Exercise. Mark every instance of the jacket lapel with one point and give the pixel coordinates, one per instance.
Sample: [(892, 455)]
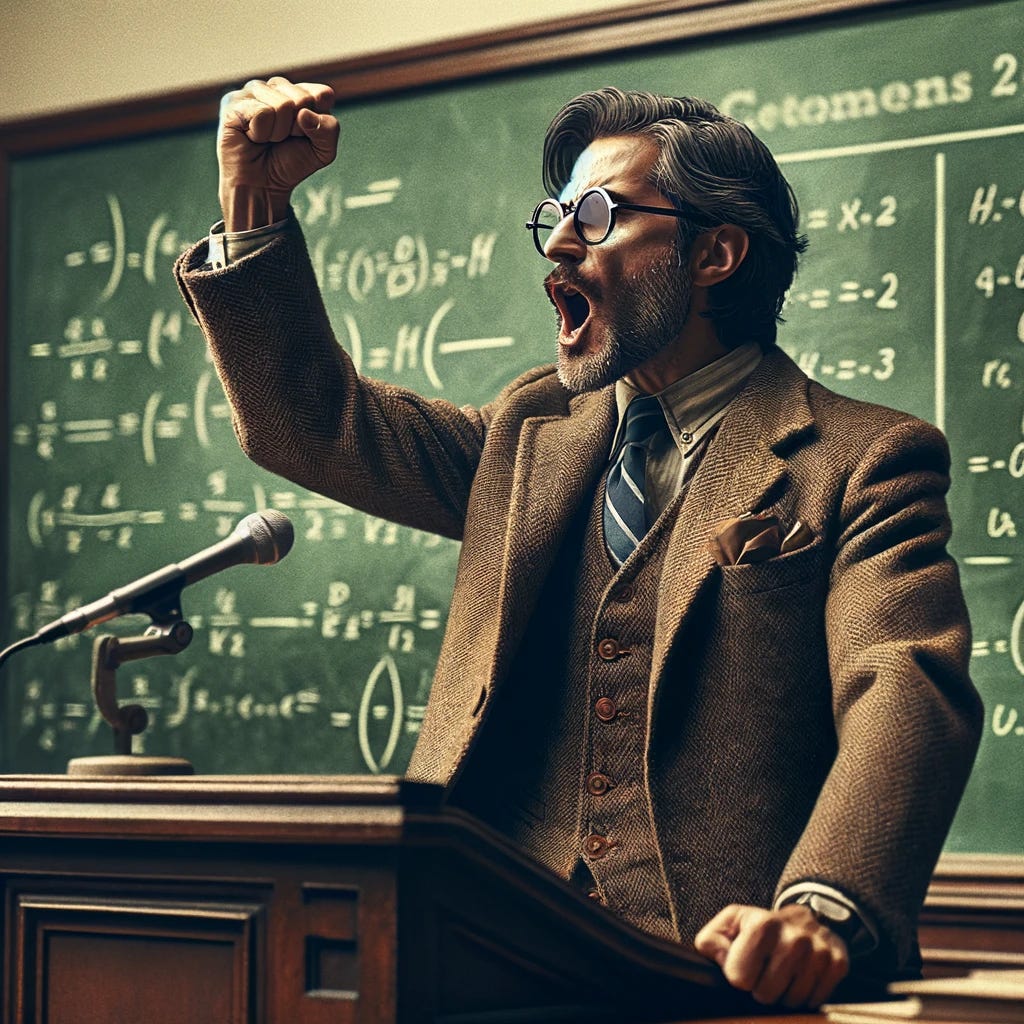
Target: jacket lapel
[(558, 464), (742, 472)]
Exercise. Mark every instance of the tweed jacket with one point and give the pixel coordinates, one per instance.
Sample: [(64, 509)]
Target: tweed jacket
[(826, 686)]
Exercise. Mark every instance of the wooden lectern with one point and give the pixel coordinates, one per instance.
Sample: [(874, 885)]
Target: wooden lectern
[(303, 900)]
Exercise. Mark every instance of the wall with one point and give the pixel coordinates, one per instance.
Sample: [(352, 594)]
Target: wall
[(57, 54)]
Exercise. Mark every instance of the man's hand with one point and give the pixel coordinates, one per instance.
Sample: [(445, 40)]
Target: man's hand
[(272, 136), (781, 956)]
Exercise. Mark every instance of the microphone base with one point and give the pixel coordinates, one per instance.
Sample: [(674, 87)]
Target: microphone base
[(117, 765)]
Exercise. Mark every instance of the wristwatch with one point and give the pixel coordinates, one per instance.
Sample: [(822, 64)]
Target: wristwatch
[(841, 918)]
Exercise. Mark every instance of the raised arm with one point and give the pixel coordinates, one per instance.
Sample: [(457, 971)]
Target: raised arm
[(299, 407)]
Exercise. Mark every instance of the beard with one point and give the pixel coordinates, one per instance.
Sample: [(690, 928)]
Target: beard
[(646, 313)]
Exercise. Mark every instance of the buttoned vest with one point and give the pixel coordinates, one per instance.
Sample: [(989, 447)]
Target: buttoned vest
[(560, 765)]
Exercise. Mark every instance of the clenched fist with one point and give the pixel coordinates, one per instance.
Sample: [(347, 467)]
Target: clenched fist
[(272, 136), (779, 956)]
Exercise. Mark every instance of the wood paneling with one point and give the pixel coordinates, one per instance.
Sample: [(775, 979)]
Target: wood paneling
[(105, 956)]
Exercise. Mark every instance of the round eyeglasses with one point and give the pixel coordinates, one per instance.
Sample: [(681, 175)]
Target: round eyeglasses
[(593, 216)]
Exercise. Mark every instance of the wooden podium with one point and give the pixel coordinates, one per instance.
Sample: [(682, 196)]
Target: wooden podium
[(303, 900)]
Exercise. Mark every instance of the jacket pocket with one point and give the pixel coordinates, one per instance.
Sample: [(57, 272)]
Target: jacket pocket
[(775, 573)]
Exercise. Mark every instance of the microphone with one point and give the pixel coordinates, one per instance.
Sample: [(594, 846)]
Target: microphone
[(261, 538)]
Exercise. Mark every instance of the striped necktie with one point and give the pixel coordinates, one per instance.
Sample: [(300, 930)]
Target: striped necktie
[(625, 520)]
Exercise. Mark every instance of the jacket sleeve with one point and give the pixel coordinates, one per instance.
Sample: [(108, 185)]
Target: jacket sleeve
[(302, 411), (907, 717)]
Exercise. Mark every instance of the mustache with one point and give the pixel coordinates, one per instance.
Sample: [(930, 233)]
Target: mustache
[(568, 276)]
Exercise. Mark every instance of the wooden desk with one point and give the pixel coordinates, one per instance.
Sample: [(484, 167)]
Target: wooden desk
[(306, 900), (299, 900)]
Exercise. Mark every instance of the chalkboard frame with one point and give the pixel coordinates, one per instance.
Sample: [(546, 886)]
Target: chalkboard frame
[(995, 879)]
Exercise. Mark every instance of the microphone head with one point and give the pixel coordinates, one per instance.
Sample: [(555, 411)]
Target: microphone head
[(272, 534)]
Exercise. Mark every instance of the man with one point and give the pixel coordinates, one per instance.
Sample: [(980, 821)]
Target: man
[(707, 654)]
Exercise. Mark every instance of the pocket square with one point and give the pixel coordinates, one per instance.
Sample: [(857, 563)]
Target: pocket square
[(749, 539)]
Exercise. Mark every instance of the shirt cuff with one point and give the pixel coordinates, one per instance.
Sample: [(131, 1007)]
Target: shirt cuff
[(837, 911), (226, 247)]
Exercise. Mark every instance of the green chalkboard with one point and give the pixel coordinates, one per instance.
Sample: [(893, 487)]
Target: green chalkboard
[(901, 130)]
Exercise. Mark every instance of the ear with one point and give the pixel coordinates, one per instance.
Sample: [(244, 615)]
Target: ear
[(717, 253)]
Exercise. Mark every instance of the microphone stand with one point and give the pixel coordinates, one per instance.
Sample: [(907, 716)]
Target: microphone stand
[(169, 634)]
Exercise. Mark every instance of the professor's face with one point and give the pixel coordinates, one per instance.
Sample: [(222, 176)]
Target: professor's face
[(620, 301)]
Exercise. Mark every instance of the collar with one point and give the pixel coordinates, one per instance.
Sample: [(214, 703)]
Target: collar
[(694, 404)]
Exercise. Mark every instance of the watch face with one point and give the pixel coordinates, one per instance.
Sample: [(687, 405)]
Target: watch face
[(841, 919)]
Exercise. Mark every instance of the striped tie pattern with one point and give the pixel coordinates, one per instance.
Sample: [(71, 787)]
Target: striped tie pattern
[(625, 519)]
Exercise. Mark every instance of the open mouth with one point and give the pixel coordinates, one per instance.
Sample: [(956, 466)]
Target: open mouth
[(573, 310)]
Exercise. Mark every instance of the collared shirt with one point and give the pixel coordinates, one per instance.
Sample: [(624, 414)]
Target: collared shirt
[(693, 407)]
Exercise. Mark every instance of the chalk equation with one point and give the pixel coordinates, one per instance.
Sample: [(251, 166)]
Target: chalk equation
[(379, 714), (116, 254), (991, 279), (378, 719), (417, 345), (61, 520), (88, 349), (318, 203), (159, 419), (851, 215), (408, 268), (992, 203), (1006, 721), (880, 294), (878, 365), (162, 242)]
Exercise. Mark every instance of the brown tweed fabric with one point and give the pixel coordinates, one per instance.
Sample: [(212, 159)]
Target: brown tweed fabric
[(612, 660), (553, 767), (811, 716)]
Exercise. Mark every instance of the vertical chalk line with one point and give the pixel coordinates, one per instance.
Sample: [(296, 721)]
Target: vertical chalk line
[(940, 290)]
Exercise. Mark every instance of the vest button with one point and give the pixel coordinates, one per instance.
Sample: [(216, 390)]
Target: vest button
[(596, 846), (625, 594), (608, 649), (606, 709), (598, 784)]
